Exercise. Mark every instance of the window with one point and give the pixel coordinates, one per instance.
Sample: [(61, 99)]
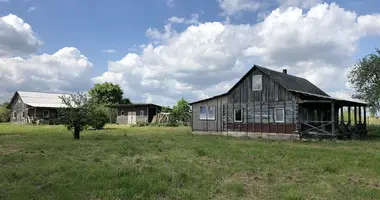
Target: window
[(257, 82), (207, 113), (141, 113), (203, 112), (238, 115), (122, 112), (23, 114), (211, 113), (279, 115), (45, 114), (14, 114)]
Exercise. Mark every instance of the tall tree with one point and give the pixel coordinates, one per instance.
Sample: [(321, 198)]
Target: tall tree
[(106, 93), (365, 78), (125, 101), (181, 111), (77, 115)]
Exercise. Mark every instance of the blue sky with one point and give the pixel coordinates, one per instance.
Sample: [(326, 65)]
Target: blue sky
[(92, 27)]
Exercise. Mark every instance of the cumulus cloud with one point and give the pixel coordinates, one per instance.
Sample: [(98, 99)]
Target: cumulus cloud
[(65, 70), (17, 37), (208, 58)]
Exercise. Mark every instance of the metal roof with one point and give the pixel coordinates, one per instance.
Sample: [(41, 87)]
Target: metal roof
[(41, 99)]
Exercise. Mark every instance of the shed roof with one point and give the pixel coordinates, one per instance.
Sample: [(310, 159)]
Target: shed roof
[(134, 105), (41, 99)]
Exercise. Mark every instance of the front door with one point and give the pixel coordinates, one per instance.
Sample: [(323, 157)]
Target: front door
[(131, 117)]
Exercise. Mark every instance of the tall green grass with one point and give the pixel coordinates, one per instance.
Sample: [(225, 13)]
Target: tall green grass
[(44, 162)]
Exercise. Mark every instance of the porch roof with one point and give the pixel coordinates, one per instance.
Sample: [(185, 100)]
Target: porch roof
[(135, 105), (327, 99)]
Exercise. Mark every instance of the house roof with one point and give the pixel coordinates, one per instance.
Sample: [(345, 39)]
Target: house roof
[(41, 99), (289, 82)]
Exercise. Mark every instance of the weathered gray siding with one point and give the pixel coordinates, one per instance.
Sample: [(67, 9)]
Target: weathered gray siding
[(139, 118), (209, 125), (258, 108), (18, 107)]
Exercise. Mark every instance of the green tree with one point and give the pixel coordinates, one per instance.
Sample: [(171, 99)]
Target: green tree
[(5, 112), (125, 101), (77, 115), (181, 111), (365, 79), (106, 93)]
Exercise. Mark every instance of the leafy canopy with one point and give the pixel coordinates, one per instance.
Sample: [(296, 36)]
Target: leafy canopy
[(106, 93), (365, 79), (181, 111)]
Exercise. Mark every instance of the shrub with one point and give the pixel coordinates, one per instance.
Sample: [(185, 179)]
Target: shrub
[(98, 118), (5, 114)]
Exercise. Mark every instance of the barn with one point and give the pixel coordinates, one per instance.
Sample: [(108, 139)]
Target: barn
[(27, 107), (268, 103)]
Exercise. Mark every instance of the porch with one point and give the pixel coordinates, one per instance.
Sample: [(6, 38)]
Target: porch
[(332, 118)]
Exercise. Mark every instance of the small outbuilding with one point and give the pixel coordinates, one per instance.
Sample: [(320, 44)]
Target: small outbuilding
[(269, 103), (134, 113)]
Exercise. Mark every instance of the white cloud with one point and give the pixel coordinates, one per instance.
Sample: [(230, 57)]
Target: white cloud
[(30, 9), (208, 58), (65, 70), (17, 37), (109, 51), (369, 24), (194, 19), (231, 7), (170, 3), (298, 3)]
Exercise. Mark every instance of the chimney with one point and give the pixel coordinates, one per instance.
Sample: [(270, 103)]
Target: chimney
[(285, 71)]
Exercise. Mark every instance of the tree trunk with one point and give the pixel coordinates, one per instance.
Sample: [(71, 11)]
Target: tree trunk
[(76, 133)]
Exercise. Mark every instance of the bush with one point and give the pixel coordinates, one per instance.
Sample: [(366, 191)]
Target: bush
[(5, 114), (98, 118)]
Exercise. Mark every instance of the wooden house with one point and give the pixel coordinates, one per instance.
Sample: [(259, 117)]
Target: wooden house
[(35, 106), (270, 103), (134, 113)]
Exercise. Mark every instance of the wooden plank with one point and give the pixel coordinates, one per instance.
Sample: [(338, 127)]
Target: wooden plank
[(349, 115)]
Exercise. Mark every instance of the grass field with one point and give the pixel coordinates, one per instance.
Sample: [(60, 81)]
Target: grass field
[(44, 162)]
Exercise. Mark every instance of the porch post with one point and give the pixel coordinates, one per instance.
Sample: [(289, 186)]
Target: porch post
[(333, 118), (355, 119), (360, 114), (35, 112), (365, 117), (349, 115), (341, 115)]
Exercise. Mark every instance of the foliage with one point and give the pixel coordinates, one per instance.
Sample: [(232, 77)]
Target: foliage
[(365, 78), (170, 163), (5, 113), (77, 114), (165, 109), (106, 93), (99, 117), (125, 101), (181, 111)]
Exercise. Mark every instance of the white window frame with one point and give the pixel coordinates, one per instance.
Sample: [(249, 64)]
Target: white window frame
[(122, 113), (261, 84), (275, 115), (241, 114), (141, 112), (43, 114), (200, 114), (14, 114), (208, 113)]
